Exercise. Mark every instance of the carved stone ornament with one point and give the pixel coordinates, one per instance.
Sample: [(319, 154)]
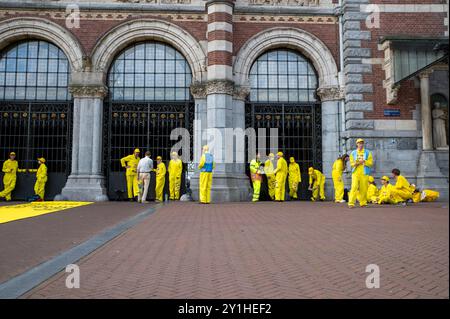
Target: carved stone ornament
[(299, 3), (330, 93), (198, 90), (241, 92), (157, 1), (88, 91), (220, 87)]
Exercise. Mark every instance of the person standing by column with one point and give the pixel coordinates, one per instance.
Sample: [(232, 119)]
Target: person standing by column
[(145, 166), (206, 167), (268, 170), (41, 178), (295, 178), (316, 184), (175, 169), (160, 179), (131, 162), (10, 168), (256, 177), (280, 176), (338, 182), (361, 161)]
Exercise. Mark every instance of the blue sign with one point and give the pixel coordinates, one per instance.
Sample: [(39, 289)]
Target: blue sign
[(391, 112)]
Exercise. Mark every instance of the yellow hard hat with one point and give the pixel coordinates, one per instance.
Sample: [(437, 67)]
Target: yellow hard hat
[(371, 179), (41, 159), (280, 153), (12, 153), (271, 155), (385, 178), (311, 170), (359, 140), (136, 150), (159, 158)]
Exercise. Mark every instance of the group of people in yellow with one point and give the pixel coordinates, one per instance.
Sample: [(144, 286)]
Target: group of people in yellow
[(138, 176), (11, 168)]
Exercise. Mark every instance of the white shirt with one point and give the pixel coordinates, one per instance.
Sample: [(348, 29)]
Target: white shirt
[(145, 165)]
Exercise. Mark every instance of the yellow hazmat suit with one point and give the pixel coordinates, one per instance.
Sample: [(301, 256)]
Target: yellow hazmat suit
[(175, 169), (271, 181), (131, 173), (403, 188), (426, 195), (372, 191), (317, 183), (280, 176), (41, 178), (387, 195), (206, 167), (255, 174), (10, 168), (338, 182), (160, 180), (360, 174), (294, 178)]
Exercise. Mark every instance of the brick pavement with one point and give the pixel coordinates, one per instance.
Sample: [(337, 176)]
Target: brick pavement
[(269, 250)]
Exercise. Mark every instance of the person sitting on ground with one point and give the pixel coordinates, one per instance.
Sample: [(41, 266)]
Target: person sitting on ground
[(372, 191), (387, 194), (427, 195), (402, 187)]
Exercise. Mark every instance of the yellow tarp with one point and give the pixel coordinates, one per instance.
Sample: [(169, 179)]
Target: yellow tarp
[(21, 211)]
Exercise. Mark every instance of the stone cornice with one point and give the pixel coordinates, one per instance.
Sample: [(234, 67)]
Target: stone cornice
[(198, 90), (220, 87), (88, 91), (330, 93), (241, 92)]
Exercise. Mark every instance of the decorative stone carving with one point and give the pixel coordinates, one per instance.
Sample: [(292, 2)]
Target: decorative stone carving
[(241, 92), (311, 3), (330, 93), (88, 91), (198, 90), (157, 1), (220, 87)]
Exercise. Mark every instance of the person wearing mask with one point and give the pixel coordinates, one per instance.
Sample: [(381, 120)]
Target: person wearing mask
[(268, 170), (280, 176), (175, 169), (160, 179), (256, 176), (338, 181), (145, 166), (316, 184), (294, 179), (206, 167), (131, 162), (361, 161)]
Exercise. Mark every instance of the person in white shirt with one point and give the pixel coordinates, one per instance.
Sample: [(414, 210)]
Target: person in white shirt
[(145, 166)]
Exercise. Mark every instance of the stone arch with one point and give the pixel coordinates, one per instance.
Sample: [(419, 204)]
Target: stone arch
[(138, 30), (286, 37), (16, 29)]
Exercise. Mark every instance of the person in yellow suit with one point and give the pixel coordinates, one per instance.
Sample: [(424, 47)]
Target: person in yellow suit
[(387, 193), (338, 182), (402, 187), (361, 161), (131, 162), (372, 191), (10, 168), (294, 179), (256, 176), (175, 169), (427, 195), (160, 178), (206, 167), (268, 170), (41, 178), (280, 172), (316, 184)]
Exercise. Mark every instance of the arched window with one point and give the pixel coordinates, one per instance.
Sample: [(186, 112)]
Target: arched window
[(34, 70), (150, 71), (282, 76)]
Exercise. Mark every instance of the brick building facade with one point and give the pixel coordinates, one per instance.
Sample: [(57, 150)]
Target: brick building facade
[(373, 69)]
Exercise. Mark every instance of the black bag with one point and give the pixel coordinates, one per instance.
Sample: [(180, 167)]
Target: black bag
[(346, 194)]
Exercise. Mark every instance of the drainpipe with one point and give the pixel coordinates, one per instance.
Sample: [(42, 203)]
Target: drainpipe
[(341, 127)]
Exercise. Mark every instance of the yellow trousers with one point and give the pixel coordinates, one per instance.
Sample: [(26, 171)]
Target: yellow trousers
[(271, 183), (318, 191), (360, 183), (404, 194), (205, 187), (159, 188), (39, 187), (9, 182), (256, 190), (338, 186), (132, 185), (293, 188), (174, 186), (280, 186)]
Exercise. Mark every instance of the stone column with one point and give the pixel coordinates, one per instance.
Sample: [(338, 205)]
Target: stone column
[(330, 98), (427, 130), (86, 181)]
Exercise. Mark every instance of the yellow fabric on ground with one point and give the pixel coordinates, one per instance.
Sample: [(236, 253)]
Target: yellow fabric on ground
[(21, 211)]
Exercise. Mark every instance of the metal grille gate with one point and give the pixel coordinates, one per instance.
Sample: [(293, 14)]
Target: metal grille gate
[(32, 130), (299, 130), (146, 126)]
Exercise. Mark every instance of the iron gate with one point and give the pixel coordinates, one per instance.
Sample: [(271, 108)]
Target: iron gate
[(37, 129), (299, 133), (146, 126)]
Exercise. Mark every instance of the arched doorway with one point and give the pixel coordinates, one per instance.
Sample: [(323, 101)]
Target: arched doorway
[(148, 98), (283, 86), (36, 112)]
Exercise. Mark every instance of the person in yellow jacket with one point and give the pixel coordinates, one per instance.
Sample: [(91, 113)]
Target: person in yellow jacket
[(256, 176), (206, 167), (387, 193), (372, 191), (10, 168), (280, 172), (41, 178), (268, 170), (361, 161), (175, 169), (160, 179), (338, 182), (131, 162), (294, 179), (427, 195), (402, 187), (316, 184)]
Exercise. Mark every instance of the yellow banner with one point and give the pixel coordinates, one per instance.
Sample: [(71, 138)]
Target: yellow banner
[(21, 211)]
